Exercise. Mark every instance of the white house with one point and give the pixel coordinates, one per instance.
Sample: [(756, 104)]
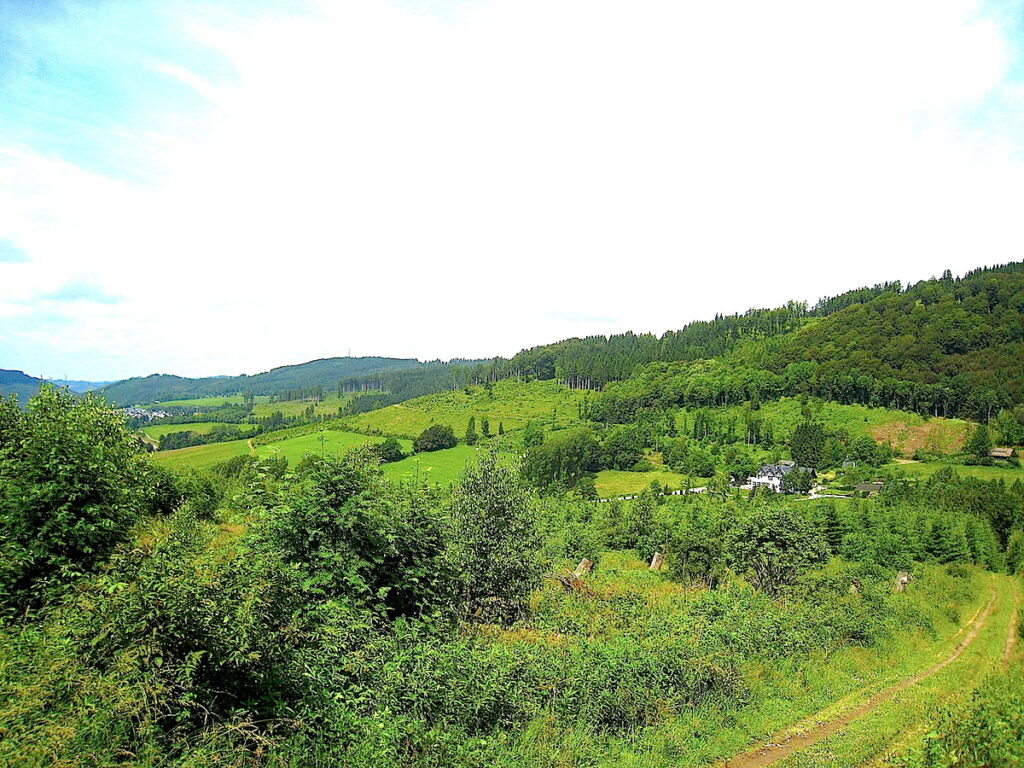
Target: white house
[(770, 475)]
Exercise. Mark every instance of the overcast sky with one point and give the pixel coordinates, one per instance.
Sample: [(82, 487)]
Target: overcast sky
[(200, 187)]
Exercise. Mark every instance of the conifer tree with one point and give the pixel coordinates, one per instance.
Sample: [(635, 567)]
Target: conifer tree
[(979, 443), (485, 427), (471, 436)]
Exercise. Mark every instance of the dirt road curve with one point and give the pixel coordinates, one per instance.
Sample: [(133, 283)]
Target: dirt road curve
[(770, 754)]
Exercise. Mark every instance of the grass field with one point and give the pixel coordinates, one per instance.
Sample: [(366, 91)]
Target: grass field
[(333, 442), (327, 407), (201, 402), (442, 467), (613, 482), (201, 456), (437, 467), (156, 431), (928, 468), (512, 403), (904, 431)]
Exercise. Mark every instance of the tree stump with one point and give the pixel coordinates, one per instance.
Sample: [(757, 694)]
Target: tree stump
[(657, 561), (902, 579), (584, 567)]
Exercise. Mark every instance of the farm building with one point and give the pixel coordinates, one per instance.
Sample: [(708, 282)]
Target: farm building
[(770, 475), (1001, 453), (869, 488)]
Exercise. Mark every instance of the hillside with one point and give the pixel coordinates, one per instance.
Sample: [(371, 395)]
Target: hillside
[(19, 384), (945, 346), (508, 403), (325, 373)]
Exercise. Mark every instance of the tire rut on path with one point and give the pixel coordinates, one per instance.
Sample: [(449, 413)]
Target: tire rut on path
[(774, 752), (1011, 632)]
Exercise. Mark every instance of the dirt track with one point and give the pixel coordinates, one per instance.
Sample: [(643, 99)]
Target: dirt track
[(1011, 632), (771, 753)]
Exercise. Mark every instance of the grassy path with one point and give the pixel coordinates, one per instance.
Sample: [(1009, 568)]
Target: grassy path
[(1011, 632), (862, 731)]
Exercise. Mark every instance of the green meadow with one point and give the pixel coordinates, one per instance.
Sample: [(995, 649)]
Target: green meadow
[(201, 402), (201, 456), (614, 482), (157, 431), (998, 472), (330, 442), (510, 403), (327, 407), (441, 467)]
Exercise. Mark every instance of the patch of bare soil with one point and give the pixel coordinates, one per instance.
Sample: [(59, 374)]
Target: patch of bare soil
[(934, 435), (772, 753)]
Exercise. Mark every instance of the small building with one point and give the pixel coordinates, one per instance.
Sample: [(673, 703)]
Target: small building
[(770, 475), (1001, 453), (869, 488)]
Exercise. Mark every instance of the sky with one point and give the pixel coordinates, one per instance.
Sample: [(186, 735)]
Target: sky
[(207, 187)]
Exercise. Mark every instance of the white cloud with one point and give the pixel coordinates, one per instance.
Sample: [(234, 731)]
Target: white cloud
[(468, 184)]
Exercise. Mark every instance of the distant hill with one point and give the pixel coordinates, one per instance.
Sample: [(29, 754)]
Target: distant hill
[(79, 386), (326, 373), (19, 384)]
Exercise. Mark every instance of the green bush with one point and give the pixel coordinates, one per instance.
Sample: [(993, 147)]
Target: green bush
[(72, 481)]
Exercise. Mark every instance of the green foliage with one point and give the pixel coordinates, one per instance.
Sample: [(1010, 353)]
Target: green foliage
[(435, 438), (775, 544), (986, 731), (563, 458), (71, 483), (471, 435), (807, 445), (349, 535), (533, 434), (494, 540), (622, 448), (390, 450), (979, 443)]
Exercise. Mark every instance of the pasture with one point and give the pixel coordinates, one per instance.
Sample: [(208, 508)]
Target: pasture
[(201, 456), (213, 401), (328, 407), (157, 430), (924, 469), (329, 442), (510, 403), (441, 467), (614, 482)]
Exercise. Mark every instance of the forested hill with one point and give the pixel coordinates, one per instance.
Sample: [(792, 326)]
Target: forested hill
[(951, 346), (945, 347), (962, 339), (19, 384), (324, 373)]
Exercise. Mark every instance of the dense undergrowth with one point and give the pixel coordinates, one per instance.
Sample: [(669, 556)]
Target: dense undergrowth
[(325, 616)]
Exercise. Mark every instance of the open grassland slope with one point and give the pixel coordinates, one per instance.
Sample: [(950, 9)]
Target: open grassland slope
[(157, 430), (509, 403)]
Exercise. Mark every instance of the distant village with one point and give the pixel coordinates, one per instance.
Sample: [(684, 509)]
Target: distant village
[(145, 414)]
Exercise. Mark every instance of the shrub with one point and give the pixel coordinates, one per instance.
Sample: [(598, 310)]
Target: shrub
[(72, 481), (435, 438)]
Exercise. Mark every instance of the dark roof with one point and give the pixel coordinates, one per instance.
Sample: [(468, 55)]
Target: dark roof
[(868, 487), (781, 470)]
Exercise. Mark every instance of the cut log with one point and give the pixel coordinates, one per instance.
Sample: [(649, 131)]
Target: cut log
[(657, 561), (584, 567)]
